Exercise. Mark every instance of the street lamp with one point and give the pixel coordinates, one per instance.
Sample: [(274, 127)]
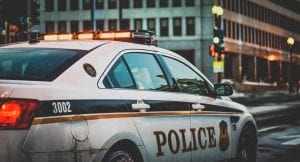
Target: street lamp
[(290, 41), (217, 10)]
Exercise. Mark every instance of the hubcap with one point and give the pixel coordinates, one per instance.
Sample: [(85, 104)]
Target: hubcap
[(121, 156), (244, 155)]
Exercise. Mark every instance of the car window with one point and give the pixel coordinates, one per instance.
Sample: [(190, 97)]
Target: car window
[(187, 79), (119, 76), (146, 71), (39, 64)]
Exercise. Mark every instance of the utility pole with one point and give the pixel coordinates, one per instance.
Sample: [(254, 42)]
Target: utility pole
[(290, 41), (120, 14), (93, 21), (28, 20), (7, 33)]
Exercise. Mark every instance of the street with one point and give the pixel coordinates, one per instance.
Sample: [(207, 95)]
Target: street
[(278, 131)]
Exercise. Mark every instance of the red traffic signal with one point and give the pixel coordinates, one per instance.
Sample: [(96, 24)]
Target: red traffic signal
[(212, 50)]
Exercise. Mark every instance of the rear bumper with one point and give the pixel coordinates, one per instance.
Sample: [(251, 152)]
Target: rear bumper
[(11, 144), (12, 150)]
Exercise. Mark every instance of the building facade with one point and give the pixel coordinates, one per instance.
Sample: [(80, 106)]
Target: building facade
[(184, 26), (255, 31)]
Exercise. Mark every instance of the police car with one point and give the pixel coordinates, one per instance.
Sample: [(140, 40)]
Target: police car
[(98, 97)]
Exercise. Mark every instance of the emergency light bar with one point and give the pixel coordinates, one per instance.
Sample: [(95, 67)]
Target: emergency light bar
[(136, 36)]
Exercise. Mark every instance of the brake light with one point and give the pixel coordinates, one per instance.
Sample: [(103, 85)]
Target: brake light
[(17, 114), (9, 113)]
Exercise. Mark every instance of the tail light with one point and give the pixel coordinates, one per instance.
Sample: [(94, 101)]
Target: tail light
[(17, 113)]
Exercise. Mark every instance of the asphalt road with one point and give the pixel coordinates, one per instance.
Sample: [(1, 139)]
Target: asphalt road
[(278, 131)]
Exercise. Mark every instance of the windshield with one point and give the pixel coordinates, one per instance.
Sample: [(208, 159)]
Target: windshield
[(38, 64)]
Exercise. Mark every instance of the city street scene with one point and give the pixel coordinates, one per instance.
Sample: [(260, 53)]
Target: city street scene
[(149, 80)]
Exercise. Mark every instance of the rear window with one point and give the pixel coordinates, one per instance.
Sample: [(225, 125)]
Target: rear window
[(37, 64)]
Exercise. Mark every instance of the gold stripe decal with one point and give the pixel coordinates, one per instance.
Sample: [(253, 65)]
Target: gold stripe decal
[(58, 119)]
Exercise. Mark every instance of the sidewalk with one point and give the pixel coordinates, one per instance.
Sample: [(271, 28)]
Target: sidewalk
[(268, 104), (251, 99)]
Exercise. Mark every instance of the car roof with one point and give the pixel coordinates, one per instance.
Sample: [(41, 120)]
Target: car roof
[(72, 44)]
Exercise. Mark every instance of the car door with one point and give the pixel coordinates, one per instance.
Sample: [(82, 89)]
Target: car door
[(162, 118), (210, 124)]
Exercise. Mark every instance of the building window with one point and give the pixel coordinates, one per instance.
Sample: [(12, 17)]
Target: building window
[(225, 27), (62, 5), (74, 26), (258, 36), (137, 3), (112, 25), (86, 4), (49, 5), (176, 3), (189, 2), (224, 4), (253, 35), (74, 5), (125, 24), (49, 27), (233, 30), (177, 26), (62, 26), (238, 28), (138, 24), (151, 24), (87, 26), (99, 4), (190, 26), (112, 4), (247, 34), (150, 3), (242, 33), (125, 3), (100, 25), (163, 3), (164, 27)]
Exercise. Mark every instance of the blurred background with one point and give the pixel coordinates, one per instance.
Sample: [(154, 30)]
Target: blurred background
[(252, 44), (242, 42)]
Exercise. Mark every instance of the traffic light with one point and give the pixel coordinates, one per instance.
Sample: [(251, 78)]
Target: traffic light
[(35, 12), (218, 40), (212, 50)]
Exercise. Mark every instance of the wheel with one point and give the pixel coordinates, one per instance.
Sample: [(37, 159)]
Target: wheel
[(119, 156), (247, 146), (123, 153)]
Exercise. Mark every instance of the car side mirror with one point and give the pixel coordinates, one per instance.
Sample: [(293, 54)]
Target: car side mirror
[(223, 89)]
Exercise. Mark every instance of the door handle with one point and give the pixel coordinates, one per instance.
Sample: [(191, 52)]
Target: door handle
[(140, 105), (198, 106)]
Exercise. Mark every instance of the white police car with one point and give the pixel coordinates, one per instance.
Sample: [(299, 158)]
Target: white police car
[(103, 100)]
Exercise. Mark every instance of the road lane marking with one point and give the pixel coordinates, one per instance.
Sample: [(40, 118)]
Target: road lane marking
[(289, 137), (294, 142), (267, 108), (267, 129)]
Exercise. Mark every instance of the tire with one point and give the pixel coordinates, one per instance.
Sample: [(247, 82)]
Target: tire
[(119, 156), (247, 146), (122, 154)]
